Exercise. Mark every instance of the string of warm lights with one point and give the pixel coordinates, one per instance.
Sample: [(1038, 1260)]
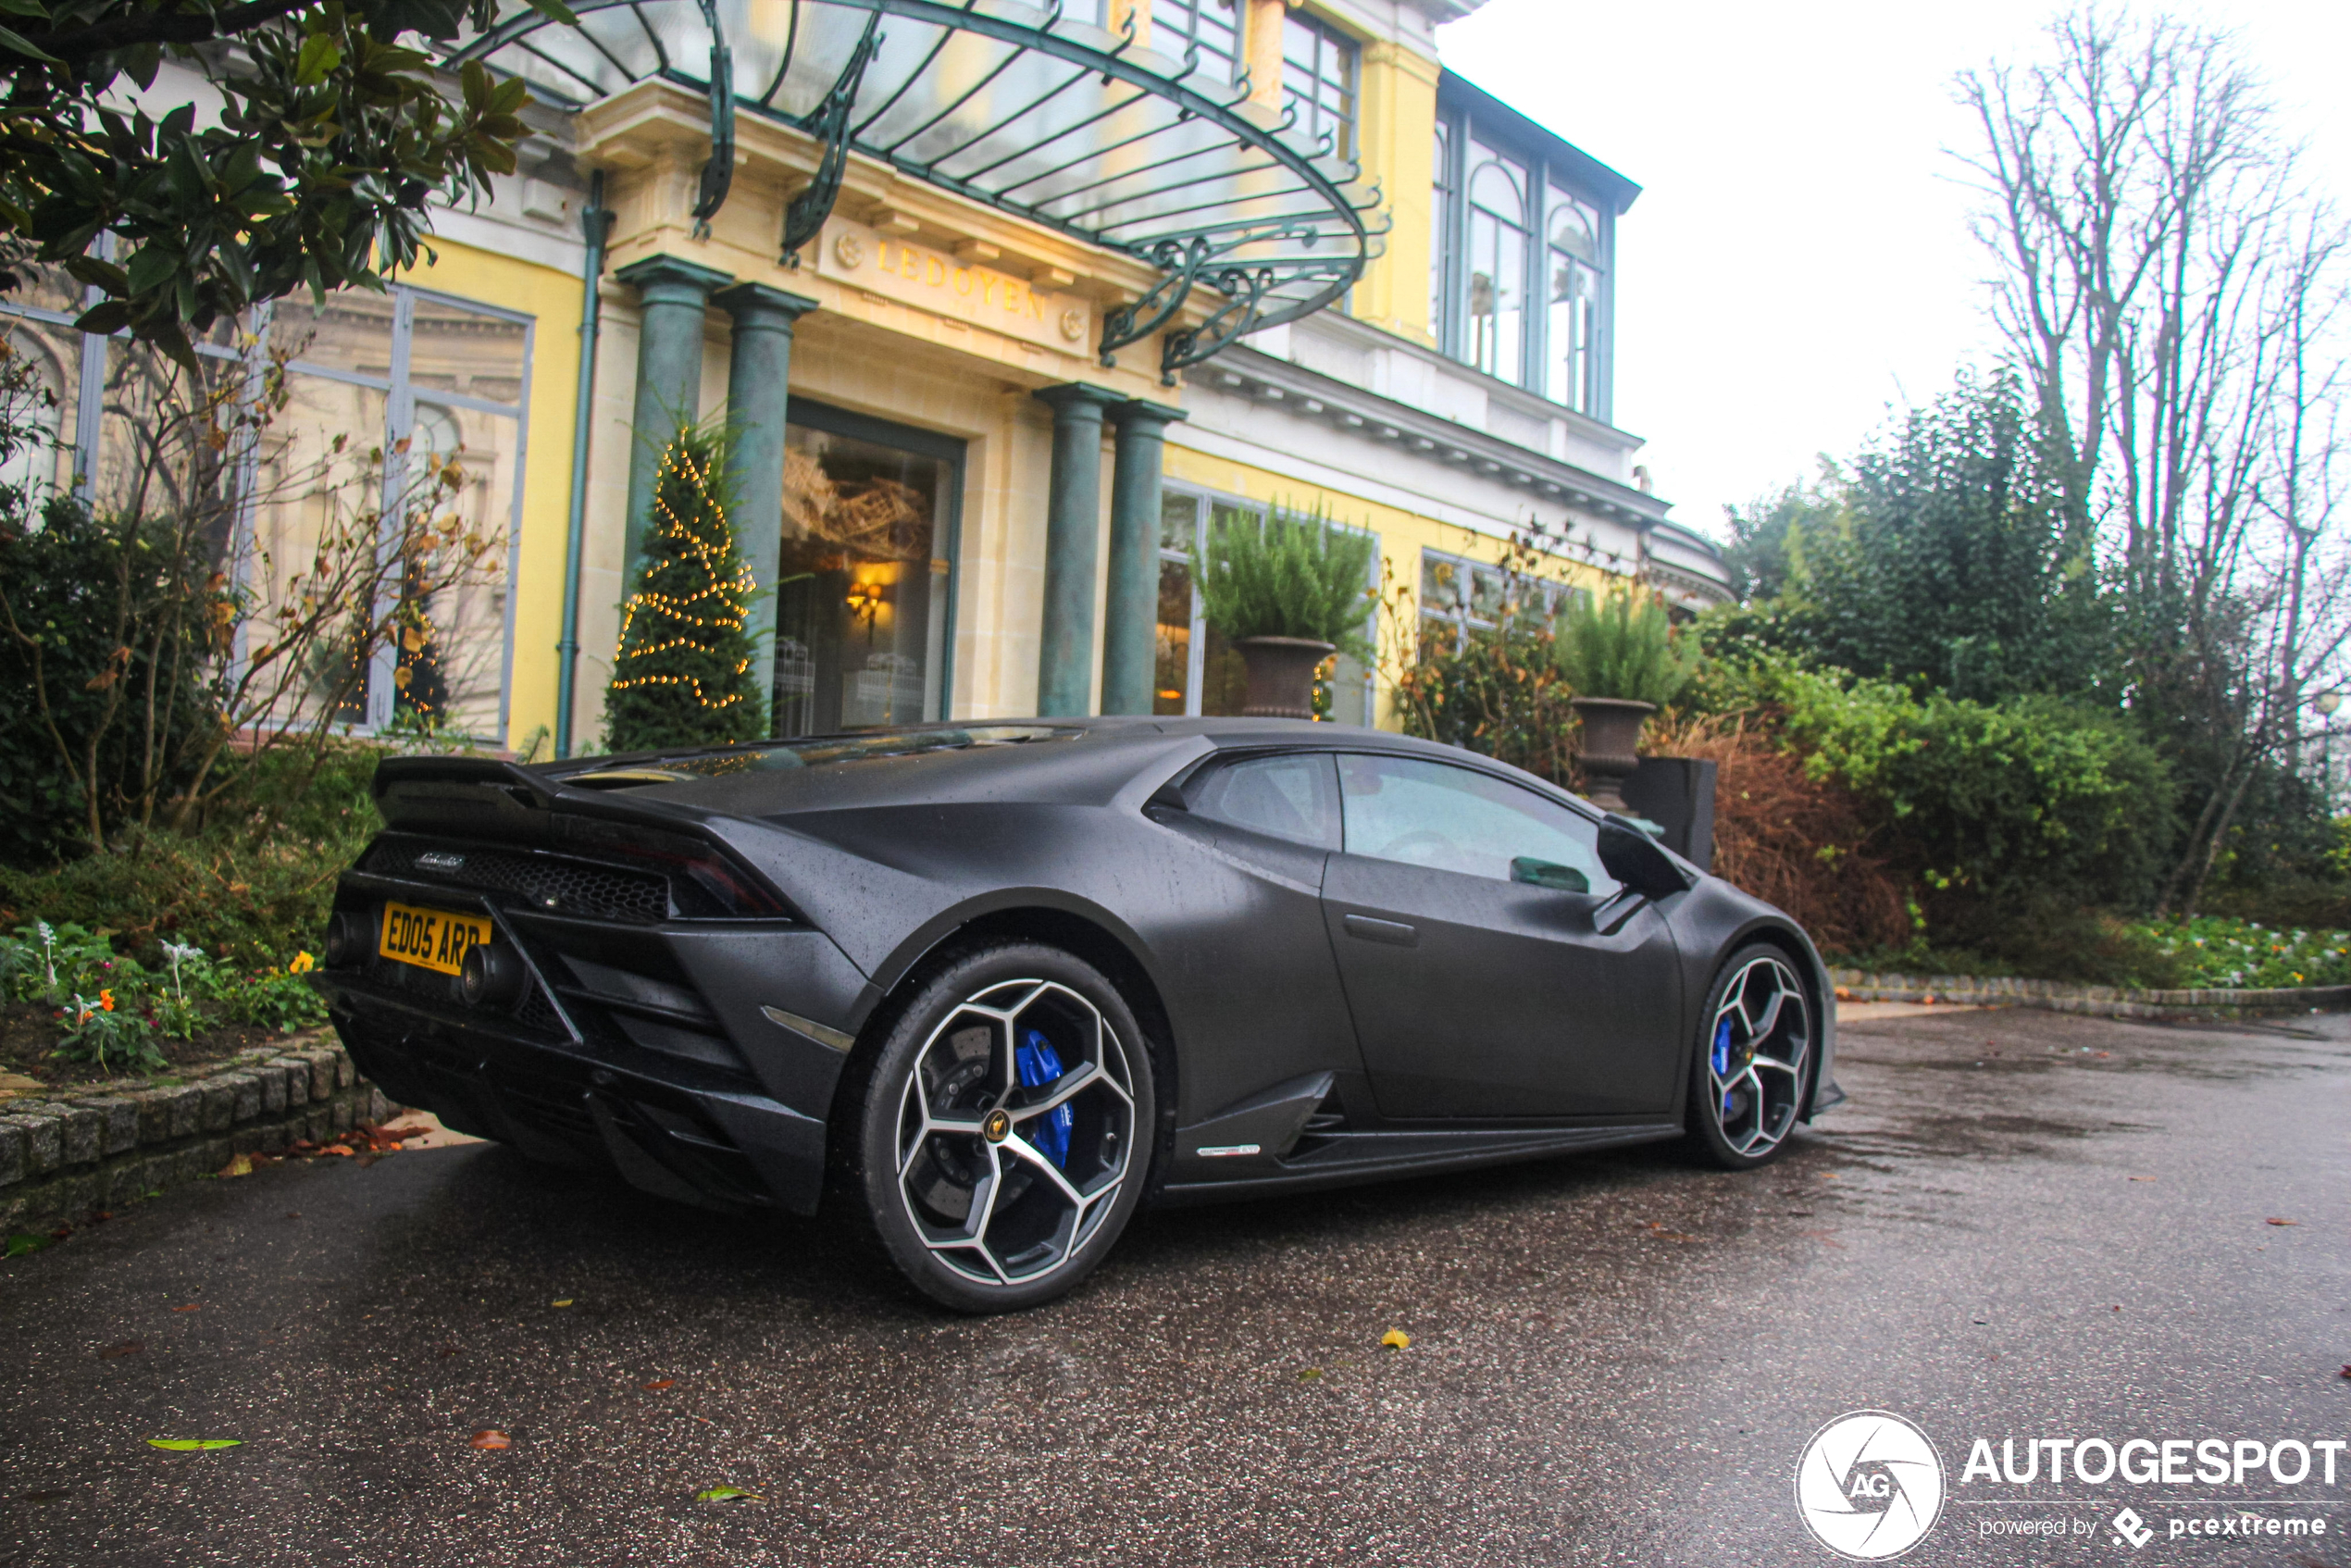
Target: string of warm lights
[(699, 617)]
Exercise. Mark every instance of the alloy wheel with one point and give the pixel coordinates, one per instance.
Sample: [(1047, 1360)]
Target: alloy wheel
[(1759, 1052), (1017, 1129)]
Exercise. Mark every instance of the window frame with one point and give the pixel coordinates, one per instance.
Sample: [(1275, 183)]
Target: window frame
[(1557, 595), (1193, 10), (1333, 42), (1461, 127), (400, 408)]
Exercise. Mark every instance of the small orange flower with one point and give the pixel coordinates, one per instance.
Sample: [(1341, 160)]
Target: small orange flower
[(105, 1001)]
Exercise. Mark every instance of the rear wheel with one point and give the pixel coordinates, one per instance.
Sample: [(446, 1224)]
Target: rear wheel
[(1755, 1063), (1002, 1137)]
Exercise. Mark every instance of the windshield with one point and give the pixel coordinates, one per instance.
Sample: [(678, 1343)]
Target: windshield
[(781, 755)]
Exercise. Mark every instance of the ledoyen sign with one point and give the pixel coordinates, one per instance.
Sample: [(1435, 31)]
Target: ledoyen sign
[(971, 291)]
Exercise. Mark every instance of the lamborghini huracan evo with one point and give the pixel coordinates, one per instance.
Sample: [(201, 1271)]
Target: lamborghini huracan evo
[(986, 989)]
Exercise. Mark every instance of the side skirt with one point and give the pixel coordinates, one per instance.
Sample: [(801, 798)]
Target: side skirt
[(1347, 1158)]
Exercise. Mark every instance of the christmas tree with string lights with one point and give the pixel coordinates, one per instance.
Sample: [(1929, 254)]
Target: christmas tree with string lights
[(682, 676)]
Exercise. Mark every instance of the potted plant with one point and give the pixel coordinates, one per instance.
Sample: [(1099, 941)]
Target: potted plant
[(1623, 659), (1286, 593)]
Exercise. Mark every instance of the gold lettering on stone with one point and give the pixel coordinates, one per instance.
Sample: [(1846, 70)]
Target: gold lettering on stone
[(963, 289)]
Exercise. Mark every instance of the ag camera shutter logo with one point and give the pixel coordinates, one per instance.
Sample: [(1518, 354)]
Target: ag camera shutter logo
[(1868, 1486)]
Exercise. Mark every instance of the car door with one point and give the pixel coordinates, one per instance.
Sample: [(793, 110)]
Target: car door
[(1488, 958)]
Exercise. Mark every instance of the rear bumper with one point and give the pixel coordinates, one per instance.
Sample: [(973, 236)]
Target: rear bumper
[(667, 1052), (678, 1132)]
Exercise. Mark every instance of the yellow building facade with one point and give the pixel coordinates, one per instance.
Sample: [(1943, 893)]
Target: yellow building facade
[(1065, 289)]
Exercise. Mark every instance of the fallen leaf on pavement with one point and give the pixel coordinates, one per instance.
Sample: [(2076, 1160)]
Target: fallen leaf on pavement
[(128, 1348), (193, 1306), (2346, 1369), (1313, 1374), (2281, 1222), (2142, 1178), (564, 1302), (491, 1437), (665, 1383), (24, 1241), (194, 1444), (1396, 1339), (241, 1165), (336, 1149), (727, 1494)]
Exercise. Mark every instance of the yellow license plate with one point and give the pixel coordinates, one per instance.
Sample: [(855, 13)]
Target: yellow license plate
[(430, 939)]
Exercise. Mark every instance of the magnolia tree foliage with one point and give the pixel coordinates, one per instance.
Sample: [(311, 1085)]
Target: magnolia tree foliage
[(333, 138)]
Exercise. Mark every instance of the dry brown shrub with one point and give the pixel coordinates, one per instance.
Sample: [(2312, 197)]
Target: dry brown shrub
[(1801, 843)]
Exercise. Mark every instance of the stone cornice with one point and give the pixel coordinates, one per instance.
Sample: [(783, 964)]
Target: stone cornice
[(1247, 372)]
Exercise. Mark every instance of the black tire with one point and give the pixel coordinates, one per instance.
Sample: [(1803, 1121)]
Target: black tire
[(990, 1180), (1759, 1047)]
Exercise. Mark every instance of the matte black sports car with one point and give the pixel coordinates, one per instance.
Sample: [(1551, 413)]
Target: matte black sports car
[(988, 987)]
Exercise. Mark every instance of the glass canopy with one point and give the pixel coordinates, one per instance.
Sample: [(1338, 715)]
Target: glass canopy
[(1030, 111)]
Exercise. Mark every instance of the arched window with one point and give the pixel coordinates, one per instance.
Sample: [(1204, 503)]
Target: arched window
[(1496, 324), (1522, 232)]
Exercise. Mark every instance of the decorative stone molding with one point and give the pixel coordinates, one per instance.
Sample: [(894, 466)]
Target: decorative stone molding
[(66, 1153)]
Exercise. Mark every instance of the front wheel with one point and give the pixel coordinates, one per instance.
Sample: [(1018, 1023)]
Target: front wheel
[(1003, 1136), (1755, 1065)]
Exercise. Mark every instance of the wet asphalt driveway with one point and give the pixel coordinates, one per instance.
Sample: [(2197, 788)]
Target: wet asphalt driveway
[(1613, 1360)]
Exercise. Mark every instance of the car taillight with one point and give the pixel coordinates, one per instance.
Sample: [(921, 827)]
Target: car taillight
[(698, 871)]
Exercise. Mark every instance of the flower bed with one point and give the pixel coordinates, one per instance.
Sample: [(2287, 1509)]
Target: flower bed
[(2213, 952), (79, 1011)]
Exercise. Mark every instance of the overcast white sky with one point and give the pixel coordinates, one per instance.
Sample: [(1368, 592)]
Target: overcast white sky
[(1799, 261)]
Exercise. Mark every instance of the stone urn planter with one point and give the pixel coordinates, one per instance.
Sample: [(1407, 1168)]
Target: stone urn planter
[(1281, 675), (1612, 745)]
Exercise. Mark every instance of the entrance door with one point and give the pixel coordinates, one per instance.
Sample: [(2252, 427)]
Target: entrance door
[(863, 580), (1462, 910)]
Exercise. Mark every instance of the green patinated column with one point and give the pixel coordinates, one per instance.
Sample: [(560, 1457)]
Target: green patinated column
[(758, 376), (1073, 522), (1130, 618), (673, 295)]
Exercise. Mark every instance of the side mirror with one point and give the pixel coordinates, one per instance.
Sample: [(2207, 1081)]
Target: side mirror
[(1635, 859)]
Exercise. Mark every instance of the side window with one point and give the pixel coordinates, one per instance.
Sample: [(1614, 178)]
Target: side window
[(1293, 796), (1457, 820)]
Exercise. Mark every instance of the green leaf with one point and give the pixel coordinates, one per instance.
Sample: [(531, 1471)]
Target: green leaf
[(104, 318), (318, 56), (194, 1444), (727, 1494), (102, 274), (25, 8), (25, 1241), (554, 11), (11, 41)]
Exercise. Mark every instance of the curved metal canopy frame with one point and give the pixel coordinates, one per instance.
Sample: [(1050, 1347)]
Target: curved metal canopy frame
[(1028, 111)]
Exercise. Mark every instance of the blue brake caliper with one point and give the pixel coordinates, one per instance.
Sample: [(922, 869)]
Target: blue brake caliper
[(1039, 1064), (1722, 1057)]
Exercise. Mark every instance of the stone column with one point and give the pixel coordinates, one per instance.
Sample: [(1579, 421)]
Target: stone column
[(758, 378), (1073, 522), (674, 296), (1130, 618)]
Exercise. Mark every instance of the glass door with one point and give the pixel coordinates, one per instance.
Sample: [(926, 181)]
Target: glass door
[(864, 581)]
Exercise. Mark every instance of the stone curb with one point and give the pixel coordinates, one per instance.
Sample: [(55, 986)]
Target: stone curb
[(2107, 1001), (66, 1153)]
